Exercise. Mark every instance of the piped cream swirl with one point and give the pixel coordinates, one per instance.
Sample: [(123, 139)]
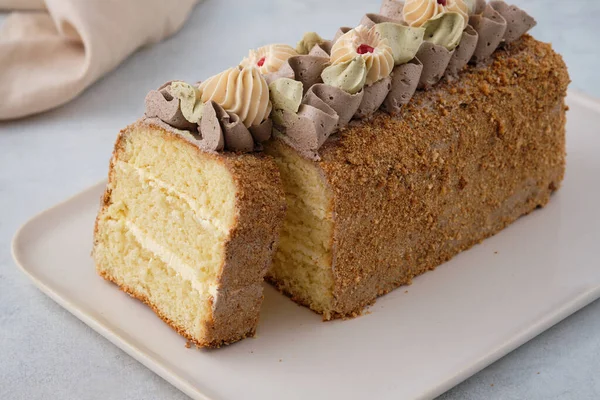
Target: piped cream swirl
[(368, 44), (242, 91), (417, 12), (270, 58), (460, 7)]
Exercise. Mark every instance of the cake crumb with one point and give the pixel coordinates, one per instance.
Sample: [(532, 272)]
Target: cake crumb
[(406, 291), (485, 89), (280, 360), (188, 344), (491, 384), (495, 252)]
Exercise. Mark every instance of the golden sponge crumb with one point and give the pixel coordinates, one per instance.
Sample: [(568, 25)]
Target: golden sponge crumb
[(162, 234), (165, 218), (207, 181), (302, 263), (148, 278)]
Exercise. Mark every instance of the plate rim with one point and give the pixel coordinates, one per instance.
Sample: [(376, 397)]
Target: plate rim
[(198, 393), (150, 362)]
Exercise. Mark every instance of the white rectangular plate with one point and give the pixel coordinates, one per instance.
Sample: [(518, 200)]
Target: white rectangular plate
[(415, 342)]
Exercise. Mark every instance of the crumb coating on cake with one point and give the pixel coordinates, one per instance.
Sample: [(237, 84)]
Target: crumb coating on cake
[(457, 165)]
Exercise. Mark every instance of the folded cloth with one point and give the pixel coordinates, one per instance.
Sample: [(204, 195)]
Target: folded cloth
[(49, 56), (7, 5)]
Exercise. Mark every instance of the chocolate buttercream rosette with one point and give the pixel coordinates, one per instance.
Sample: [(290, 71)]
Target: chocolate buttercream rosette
[(343, 103), (370, 20), (463, 52), (518, 22), (163, 105), (490, 27), (305, 122), (307, 69), (321, 50), (497, 23), (405, 79), (373, 98), (392, 9)]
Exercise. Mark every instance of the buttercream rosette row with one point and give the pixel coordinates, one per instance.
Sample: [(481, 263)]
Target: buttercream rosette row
[(306, 94), (217, 119)]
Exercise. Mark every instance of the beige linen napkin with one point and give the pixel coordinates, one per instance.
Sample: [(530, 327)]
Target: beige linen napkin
[(49, 56)]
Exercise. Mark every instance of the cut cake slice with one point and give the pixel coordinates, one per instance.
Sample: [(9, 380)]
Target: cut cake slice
[(190, 233)]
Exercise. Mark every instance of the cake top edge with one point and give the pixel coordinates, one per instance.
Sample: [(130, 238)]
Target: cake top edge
[(485, 101), (305, 94)]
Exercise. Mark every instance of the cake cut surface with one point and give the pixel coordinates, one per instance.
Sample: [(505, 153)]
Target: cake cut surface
[(304, 256), (188, 232), (394, 197)]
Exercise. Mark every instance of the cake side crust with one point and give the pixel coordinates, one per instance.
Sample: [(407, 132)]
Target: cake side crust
[(251, 245), (460, 163)]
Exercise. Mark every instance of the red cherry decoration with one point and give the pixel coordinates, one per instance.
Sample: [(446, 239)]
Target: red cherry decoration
[(365, 48), (442, 2), (261, 62)]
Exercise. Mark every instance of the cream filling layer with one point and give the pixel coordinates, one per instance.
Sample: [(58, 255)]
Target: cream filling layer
[(201, 215), (184, 270)]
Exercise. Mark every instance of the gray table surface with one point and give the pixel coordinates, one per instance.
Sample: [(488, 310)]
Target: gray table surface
[(46, 353)]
